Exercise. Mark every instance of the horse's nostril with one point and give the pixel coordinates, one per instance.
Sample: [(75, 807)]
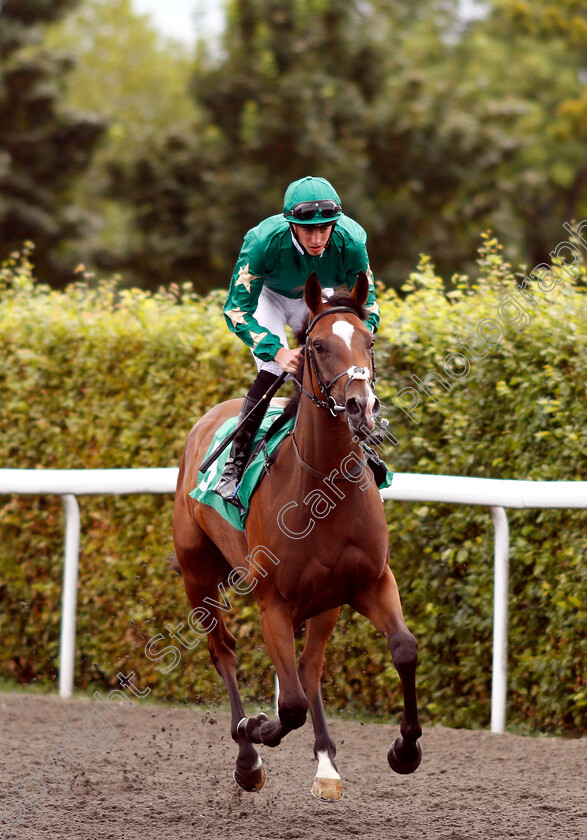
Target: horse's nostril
[(376, 407), (352, 406)]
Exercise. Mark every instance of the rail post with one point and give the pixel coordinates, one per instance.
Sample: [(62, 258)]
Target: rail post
[(69, 596), (500, 618)]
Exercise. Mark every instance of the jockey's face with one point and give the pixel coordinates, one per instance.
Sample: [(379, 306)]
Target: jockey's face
[(313, 238)]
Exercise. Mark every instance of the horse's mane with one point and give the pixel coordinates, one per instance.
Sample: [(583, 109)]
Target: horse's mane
[(344, 299)]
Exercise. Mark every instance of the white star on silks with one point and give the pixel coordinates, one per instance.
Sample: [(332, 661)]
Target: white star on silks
[(245, 277), (257, 337), (370, 276), (237, 316)]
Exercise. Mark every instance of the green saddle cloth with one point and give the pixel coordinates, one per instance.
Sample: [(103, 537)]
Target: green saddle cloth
[(253, 474), (204, 492)]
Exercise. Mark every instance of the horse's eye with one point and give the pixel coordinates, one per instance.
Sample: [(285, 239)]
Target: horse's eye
[(318, 347)]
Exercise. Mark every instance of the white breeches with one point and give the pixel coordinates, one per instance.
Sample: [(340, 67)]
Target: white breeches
[(275, 312)]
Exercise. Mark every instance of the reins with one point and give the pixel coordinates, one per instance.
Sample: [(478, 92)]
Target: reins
[(317, 474)]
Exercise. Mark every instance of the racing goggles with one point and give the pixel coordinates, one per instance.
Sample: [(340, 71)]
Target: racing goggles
[(325, 208)]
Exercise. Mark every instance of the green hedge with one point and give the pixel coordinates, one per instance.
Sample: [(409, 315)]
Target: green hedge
[(100, 377)]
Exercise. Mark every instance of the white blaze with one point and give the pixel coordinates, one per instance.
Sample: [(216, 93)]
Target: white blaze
[(344, 330)]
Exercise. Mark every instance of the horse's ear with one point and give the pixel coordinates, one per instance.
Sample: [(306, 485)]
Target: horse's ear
[(313, 293), (360, 290)]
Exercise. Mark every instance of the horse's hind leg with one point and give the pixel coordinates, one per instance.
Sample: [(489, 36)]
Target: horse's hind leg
[(249, 772), (327, 784), (201, 565), (381, 605)]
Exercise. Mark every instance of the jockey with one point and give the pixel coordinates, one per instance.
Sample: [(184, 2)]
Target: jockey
[(267, 288)]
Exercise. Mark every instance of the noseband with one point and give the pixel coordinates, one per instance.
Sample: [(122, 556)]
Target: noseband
[(354, 372)]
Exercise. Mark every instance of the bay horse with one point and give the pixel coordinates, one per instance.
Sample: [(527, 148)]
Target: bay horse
[(316, 538)]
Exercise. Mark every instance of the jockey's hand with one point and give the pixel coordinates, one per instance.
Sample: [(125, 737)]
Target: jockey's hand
[(288, 360)]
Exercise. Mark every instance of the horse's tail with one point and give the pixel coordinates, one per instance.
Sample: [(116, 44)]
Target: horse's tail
[(174, 563)]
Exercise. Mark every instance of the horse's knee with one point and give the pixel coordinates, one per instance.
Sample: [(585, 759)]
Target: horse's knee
[(404, 650), (293, 715)]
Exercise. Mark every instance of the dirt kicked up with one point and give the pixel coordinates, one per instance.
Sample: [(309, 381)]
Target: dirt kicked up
[(167, 774)]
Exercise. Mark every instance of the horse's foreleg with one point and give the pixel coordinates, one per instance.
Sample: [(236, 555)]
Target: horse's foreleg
[(327, 784), (277, 627), (381, 605)]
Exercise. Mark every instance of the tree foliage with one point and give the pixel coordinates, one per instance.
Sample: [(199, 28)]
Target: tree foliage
[(287, 96), (432, 128), (42, 148), (137, 83)]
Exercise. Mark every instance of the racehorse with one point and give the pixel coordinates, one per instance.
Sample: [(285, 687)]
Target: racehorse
[(316, 538)]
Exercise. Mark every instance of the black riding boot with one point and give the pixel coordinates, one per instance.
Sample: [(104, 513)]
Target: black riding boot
[(241, 445), (378, 467)]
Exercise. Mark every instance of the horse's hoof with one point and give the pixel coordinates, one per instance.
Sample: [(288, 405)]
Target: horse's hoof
[(250, 780), (398, 763), (327, 790)]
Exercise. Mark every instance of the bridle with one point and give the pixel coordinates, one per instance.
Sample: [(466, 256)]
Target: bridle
[(355, 372)]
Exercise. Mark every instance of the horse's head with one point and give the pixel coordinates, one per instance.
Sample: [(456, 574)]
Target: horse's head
[(339, 355)]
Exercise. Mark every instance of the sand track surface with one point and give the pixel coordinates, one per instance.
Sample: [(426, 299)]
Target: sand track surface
[(166, 773)]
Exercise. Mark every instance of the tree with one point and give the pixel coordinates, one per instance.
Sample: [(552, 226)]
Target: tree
[(540, 67), (42, 149), (473, 130), (287, 96), (433, 128), (137, 82)]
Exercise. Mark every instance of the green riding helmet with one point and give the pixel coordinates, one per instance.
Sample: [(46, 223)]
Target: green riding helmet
[(311, 201)]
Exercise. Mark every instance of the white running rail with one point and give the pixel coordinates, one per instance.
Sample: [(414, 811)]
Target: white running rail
[(496, 494), (68, 484)]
